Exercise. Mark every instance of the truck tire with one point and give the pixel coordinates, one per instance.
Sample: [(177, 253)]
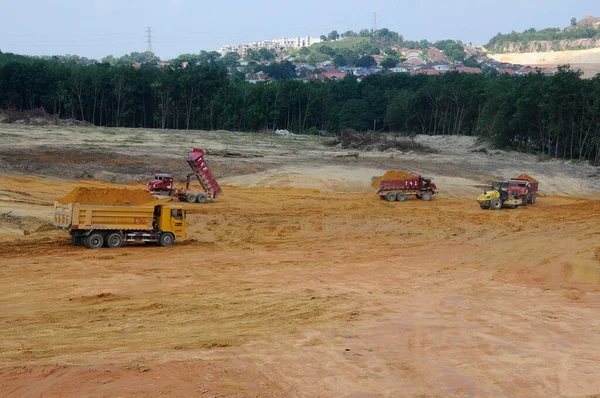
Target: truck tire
[(484, 207), (532, 199), (495, 204), (426, 196), (390, 196), (190, 198), (77, 240), (166, 239), (201, 198), (95, 240), (114, 240), (401, 197)]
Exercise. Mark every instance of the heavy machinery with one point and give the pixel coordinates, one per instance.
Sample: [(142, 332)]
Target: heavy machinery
[(528, 186), (509, 194), (99, 225), (162, 185), (421, 187)]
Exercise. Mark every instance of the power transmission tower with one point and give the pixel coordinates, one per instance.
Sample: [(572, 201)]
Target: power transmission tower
[(149, 37), (374, 22)]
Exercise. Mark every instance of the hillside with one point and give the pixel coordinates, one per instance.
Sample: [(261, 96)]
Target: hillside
[(578, 35)]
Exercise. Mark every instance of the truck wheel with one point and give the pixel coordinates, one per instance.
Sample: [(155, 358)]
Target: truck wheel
[(95, 240), (401, 197), (166, 239), (114, 240), (532, 199), (190, 198), (201, 198), (495, 204), (426, 196), (484, 207), (390, 197), (77, 240)]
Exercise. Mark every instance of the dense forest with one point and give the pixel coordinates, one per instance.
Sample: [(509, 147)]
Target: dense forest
[(556, 115)]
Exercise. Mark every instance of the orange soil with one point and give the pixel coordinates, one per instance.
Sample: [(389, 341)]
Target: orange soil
[(107, 196), (526, 177), (296, 293), (392, 175)]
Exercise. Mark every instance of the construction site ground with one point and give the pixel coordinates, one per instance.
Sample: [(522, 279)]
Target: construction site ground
[(299, 281)]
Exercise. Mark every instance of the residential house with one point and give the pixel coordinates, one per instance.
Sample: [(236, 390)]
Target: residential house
[(467, 69), (441, 66), (334, 74), (257, 77)]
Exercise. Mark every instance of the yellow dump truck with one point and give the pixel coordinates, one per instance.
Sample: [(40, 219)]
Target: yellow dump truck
[(97, 225)]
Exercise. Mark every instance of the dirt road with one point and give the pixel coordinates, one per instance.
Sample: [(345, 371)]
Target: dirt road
[(289, 292)]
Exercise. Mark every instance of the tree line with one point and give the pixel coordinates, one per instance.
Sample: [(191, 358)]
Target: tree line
[(556, 115)]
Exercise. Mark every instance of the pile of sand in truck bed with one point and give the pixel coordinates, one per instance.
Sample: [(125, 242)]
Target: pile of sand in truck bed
[(526, 177), (107, 196), (395, 175)]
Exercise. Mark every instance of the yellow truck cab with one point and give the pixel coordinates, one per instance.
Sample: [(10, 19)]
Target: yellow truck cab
[(98, 225), (171, 218)]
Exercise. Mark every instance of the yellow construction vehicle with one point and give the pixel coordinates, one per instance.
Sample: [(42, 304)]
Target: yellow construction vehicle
[(500, 196), (98, 225)]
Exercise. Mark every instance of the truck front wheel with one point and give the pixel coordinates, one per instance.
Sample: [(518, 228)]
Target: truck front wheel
[(95, 240), (532, 199), (426, 196), (166, 239), (114, 240)]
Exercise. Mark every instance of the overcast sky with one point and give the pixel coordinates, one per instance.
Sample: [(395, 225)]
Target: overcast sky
[(96, 28)]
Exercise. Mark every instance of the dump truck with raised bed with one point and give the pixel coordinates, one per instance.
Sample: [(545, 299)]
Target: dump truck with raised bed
[(415, 184), (162, 185), (96, 226)]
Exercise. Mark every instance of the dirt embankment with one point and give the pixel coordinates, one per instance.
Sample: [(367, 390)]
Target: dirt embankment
[(547, 46)]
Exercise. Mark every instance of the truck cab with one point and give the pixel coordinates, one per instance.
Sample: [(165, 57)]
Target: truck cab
[(171, 219)]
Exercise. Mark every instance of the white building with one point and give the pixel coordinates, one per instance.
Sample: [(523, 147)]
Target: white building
[(275, 44)]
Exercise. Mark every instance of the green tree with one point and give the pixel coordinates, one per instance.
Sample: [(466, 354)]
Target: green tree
[(366, 61), (304, 51), (389, 62), (333, 35)]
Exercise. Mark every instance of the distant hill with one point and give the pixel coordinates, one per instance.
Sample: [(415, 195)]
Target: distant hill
[(578, 35)]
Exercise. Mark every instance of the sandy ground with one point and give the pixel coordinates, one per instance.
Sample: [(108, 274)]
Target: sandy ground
[(587, 61), (286, 291)]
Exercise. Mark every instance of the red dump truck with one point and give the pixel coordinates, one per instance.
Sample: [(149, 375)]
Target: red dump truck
[(421, 187), (528, 189), (161, 185)]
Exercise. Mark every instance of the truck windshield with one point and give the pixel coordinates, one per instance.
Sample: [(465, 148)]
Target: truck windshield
[(177, 214)]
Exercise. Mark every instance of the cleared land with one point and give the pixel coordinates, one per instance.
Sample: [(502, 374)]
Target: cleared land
[(286, 291), (586, 60)]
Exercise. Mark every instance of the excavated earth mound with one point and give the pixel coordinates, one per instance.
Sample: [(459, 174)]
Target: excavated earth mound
[(107, 196), (395, 175), (526, 177)]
